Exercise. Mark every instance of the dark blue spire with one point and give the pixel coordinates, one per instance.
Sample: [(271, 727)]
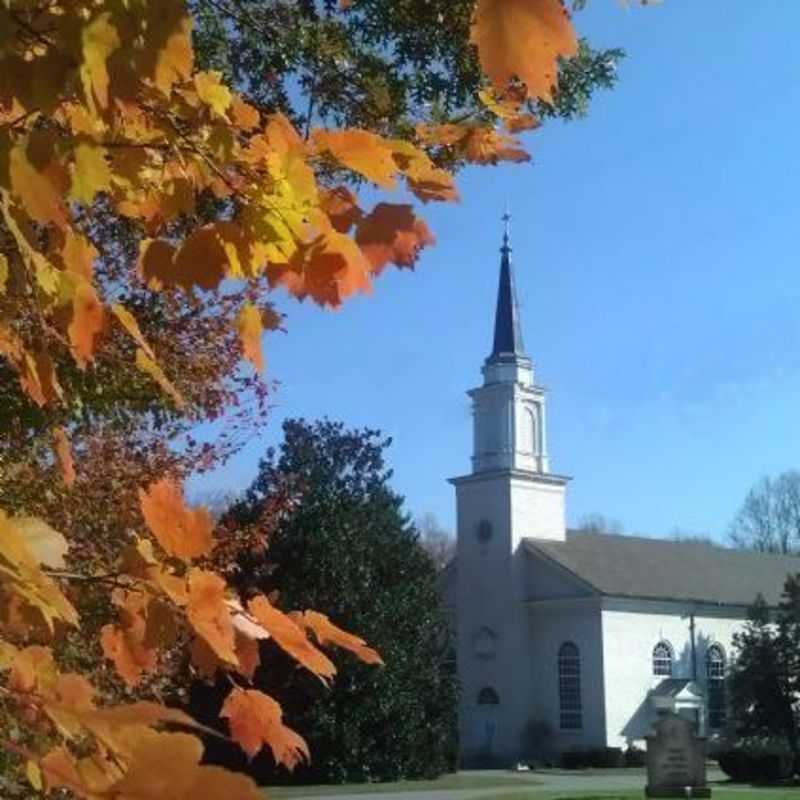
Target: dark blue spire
[(507, 327)]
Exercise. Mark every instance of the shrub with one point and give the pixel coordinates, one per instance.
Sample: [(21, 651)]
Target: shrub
[(537, 741), (606, 757), (573, 759), (754, 765), (634, 757), (736, 764), (480, 759), (597, 757)]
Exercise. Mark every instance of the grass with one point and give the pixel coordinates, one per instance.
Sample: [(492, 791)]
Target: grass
[(451, 782), (527, 790), (743, 793)]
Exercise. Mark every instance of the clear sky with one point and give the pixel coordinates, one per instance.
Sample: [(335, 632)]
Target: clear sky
[(655, 249)]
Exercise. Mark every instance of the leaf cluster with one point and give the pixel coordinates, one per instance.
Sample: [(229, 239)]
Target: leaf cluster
[(384, 65)]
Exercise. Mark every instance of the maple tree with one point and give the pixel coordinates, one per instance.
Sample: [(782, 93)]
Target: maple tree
[(383, 65), (147, 210)]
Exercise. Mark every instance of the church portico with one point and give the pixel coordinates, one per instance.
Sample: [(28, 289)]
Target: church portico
[(576, 640)]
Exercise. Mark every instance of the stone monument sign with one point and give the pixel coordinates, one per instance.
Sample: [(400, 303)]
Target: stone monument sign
[(676, 759)]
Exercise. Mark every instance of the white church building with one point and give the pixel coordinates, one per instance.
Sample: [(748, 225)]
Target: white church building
[(586, 636)]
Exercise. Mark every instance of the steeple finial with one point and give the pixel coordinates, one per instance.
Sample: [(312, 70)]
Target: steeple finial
[(507, 328)]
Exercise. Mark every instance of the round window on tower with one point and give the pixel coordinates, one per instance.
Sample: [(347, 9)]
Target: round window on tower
[(484, 530)]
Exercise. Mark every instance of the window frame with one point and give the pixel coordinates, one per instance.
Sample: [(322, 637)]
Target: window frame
[(661, 665), (570, 696), (716, 664)]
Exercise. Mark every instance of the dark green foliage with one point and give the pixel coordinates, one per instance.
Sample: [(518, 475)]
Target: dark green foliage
[(384, 65), (752, 763), (765, 677), (634, 757), (595, 758), (347, 549)]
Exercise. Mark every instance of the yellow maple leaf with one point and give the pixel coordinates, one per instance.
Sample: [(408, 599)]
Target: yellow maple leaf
[(175, 58), (4, 270), (99, 40), (37, 179), (210, 89), (46, 545), (90, 172), (129, 323), (21, 575), (250, 329), (151, 368)]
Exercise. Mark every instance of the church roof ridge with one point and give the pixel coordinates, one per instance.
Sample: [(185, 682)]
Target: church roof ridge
[(645, 538), (617, 565), (571, 532)]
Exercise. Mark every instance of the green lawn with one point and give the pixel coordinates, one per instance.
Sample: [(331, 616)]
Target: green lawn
[(459, 781), (526, 785), (743, 793)]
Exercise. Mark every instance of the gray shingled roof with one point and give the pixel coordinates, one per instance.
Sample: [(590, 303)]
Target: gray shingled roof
[(672, 687), (632, 566)]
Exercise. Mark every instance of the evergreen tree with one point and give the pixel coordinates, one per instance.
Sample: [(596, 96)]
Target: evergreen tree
[(764, 678), (346, 548)]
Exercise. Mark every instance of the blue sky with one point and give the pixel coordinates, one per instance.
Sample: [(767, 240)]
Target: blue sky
[(655, 249)]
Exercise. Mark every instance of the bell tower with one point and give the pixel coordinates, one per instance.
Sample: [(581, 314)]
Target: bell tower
[(509, 413), (509, 409), (510, 495)]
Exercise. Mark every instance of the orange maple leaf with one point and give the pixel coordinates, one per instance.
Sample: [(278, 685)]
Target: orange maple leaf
[(86, 323), (290, 637), (255, 720), (523, 39), (183, 532), (125, 644), (361, 151), (392, 232), (210, 615), (341, 206), (249, 655), (329, 269), (488, 146), (328, 633), (63, 453)]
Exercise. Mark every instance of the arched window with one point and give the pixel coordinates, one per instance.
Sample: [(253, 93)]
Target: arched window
[(715, 684), (662, 659), (488, 697), (569, 687)]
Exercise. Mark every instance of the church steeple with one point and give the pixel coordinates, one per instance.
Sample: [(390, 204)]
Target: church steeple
[(507, 328), (510, 408)]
